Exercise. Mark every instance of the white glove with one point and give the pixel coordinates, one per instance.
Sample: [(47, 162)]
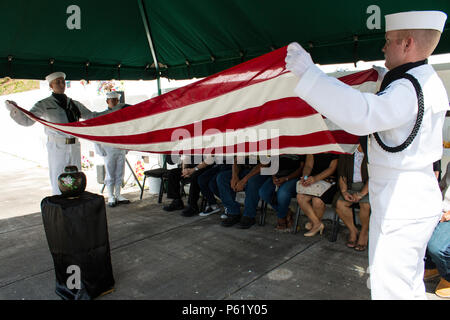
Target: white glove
[(298, 60), (381, 72), (10, 105)]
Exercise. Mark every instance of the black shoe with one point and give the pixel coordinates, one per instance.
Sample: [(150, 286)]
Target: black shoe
[(230, 220), (246, 222), (176, 204), (189, 211), (112, 204)]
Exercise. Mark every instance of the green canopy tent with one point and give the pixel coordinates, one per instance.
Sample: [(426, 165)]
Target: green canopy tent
[(182, 39)]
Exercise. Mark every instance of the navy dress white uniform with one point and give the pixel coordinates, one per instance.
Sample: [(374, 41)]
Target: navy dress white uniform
[(114, 158), (63, 149), (404, 193)]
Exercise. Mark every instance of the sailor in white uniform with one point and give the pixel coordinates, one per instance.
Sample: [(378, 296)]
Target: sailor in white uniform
[(114, 158), (63, 149), (405, 139)]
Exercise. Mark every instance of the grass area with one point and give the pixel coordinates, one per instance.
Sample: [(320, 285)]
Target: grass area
[(8, 85)]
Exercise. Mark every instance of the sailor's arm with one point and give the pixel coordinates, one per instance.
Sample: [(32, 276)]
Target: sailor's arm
[(20, 117), (357, 112), (86, 113)]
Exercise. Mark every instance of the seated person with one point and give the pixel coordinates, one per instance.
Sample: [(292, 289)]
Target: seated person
[(208, 186), (437, 259), (317, 167), (242, 177), (279, 190), (354, 187), (188, 172)]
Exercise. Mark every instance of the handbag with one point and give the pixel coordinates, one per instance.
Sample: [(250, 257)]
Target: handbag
[(316, 189)]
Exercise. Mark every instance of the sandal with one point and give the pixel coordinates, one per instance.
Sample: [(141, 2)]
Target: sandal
[(351, 244), (361, 247)]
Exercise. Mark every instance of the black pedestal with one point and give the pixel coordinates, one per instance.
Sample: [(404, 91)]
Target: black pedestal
[(77, 235)]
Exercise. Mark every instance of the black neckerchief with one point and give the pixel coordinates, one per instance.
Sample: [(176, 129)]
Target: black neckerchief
[(398, 73), (391, 76), (72, 112)]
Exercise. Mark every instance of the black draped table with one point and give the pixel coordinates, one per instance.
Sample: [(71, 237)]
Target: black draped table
[(77, 236)]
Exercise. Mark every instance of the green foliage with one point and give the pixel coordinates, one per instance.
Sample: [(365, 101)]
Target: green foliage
[(9, 86)]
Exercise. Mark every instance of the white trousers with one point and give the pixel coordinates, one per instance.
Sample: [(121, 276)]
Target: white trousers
[(396, 257), (114, 166), (61, 155)]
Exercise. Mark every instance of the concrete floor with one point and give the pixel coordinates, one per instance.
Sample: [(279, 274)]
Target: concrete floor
[(159, 255)]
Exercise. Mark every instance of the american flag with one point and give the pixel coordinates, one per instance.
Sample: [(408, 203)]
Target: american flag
[(248, 109)]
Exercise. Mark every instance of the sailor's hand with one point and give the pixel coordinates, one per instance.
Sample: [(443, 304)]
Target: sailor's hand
[(10, 105), (297, 59)]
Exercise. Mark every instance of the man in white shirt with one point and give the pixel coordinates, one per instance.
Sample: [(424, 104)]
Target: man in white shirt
[(405, 122), (114, 158), (63, 149)]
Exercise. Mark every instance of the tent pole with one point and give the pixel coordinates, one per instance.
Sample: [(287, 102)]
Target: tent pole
[(155, 60), (150, 42)]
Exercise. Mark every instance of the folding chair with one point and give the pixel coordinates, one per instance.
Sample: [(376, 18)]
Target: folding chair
[(262, 219), (160, 173), (336, 224)]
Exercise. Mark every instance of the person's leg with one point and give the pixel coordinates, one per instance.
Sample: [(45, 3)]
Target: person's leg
[(173, 190), (204, 181), (284, 196), (118, 177), (430, 267), (233, 207), (74, 151), (227, 195), (213, 182), (304, 201), (439, 249), (345, 213), (266, 193), (318, 208), (110, 167), (194, 194), (61, 155), (173, 183), (396, 251), (252, 200), (252, 195), (364, 217), (194, 189)]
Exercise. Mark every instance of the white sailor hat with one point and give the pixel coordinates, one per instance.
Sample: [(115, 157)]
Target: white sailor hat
[(434, 20), (113, 95), (55, 75)]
